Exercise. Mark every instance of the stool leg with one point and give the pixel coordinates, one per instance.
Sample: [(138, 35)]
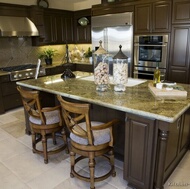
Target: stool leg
[(91, 167), (63, 132), (111, 153), (54, 139), (72, 159), (44, 143), (33, 141)]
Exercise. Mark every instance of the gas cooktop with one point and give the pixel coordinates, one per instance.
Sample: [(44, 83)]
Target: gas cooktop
[(25, 71)]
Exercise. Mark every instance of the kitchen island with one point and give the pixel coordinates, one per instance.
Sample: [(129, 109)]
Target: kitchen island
[(156, 130)]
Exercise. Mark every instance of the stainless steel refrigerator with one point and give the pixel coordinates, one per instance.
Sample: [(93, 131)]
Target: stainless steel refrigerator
[(114, 30)]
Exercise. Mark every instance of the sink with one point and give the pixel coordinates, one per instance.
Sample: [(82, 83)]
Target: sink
[(131, 81)]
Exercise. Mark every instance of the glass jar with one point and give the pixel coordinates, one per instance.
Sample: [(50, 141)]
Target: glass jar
[(120, 71), (101, 68)]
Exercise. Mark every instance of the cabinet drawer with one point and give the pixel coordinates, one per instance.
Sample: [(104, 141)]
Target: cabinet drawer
[(8, 88), (12, 101), (4, 78)]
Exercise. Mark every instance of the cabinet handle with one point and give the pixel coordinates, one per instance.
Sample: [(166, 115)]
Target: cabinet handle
[(126, 119), (178, 123)]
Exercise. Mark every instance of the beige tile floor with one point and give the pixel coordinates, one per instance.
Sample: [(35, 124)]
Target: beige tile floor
[(21, 169)]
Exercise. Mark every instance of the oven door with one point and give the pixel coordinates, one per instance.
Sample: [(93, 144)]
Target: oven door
[(149, 55)]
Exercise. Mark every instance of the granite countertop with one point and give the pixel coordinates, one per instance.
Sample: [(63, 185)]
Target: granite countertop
[(4, 73), (137, 99)]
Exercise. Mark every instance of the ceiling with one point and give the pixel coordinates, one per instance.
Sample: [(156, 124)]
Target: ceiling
[(59, 4)]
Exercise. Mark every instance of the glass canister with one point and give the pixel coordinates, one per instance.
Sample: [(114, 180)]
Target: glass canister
[(120, 71), (101, 68)]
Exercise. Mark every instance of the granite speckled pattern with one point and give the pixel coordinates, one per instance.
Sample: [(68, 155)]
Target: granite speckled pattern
[(136, 100)]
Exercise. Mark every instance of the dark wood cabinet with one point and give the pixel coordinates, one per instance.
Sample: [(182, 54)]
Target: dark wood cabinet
[(143, 18), (10, 95), (139, 147), (181, 12), (178, 141), (112, 8), (153, 17), (179, 61), (58, 27), (82, 33), (55, 26), (142, 137)]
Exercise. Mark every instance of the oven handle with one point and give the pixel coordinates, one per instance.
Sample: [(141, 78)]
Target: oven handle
[(143, 73), (137, 45)]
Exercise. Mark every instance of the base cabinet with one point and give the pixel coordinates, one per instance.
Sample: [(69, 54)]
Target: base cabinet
[(140, 142), (153, 149), (178, 142)]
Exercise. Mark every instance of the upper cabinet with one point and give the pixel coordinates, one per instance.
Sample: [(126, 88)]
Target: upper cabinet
[(82, 32), (58, 27), (179, 60), (55, 26), (181, 12), (153, 17)]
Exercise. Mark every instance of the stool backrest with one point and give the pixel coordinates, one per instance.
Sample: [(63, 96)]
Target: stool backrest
[(31, 103), (73, 114)]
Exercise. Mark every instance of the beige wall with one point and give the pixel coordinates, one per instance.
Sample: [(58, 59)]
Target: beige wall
[(58, 4)]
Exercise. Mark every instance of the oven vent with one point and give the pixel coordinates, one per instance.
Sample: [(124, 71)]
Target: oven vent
[(17, 26)]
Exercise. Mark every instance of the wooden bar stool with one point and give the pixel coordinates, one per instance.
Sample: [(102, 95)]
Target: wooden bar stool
[(45, 123), (89, 139)]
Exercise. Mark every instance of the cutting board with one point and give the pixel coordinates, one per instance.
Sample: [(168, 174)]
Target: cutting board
[(166, 93)]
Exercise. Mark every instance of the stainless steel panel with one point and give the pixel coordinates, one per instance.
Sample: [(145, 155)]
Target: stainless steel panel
[(114, 30)]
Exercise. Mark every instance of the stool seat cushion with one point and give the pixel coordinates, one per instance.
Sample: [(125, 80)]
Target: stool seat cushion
[(52, 117), (100, 136)]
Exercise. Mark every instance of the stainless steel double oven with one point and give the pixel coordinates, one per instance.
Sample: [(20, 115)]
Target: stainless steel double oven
[(150, 50)]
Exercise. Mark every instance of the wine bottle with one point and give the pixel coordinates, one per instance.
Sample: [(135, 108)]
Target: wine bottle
[(156, 75)]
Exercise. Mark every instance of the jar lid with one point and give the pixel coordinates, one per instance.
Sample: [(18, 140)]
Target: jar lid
[(120, 54), (100, 50)]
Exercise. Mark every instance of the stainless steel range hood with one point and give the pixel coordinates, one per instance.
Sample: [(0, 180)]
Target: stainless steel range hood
[(17, 26)]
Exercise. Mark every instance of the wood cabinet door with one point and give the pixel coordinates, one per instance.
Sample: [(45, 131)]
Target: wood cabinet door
[(143, 18), (178, 68), (48, 25), (83, 34), (68, 31), (161, 19), (172, 145), (185, 132), (181, 11), (140, 145)]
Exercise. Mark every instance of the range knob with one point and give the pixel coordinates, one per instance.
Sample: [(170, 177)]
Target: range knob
[(15, 76), (19, 75), (31, 73), (26, 74)]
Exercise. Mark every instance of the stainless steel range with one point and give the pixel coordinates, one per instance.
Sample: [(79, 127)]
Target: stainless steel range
[(22, 72)]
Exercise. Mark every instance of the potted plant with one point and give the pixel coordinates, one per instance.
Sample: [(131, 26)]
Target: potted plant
[(48, 54)]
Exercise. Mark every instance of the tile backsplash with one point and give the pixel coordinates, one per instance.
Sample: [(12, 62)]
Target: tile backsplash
[(16, 51)]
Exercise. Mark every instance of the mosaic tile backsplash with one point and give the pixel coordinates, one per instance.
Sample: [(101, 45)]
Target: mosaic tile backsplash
[(18, 51)]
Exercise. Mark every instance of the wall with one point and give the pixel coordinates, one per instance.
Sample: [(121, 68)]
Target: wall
[(16, 51), (58, 4)]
